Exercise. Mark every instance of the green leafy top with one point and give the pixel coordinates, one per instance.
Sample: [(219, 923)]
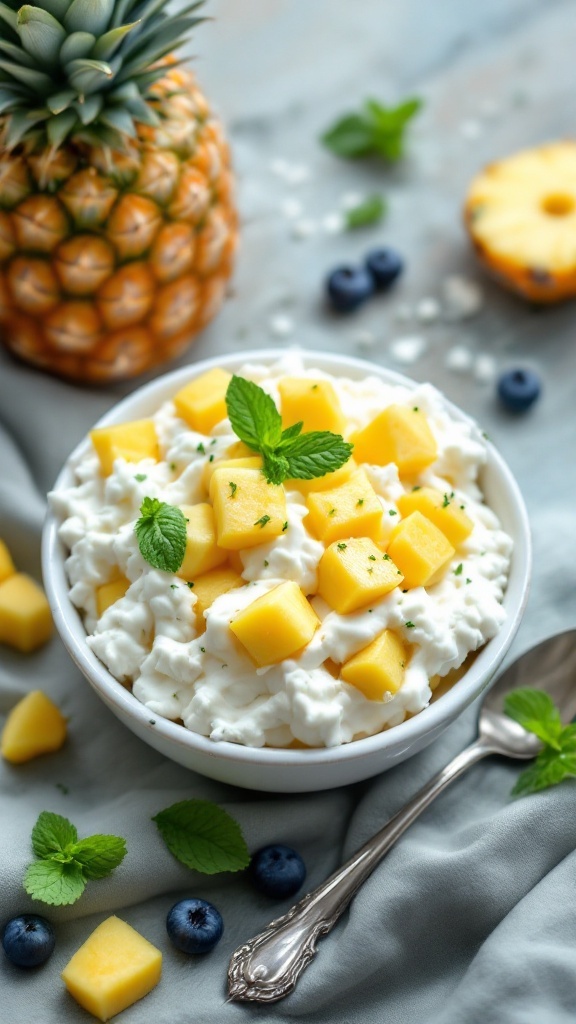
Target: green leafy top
[(161, 533), (83, 69), (285, 453), (203, 836), (369, 211), (535, 711), (375, 130), (67, 863)]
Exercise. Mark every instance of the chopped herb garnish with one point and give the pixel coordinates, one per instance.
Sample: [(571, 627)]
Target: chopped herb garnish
[(233, 488), (189, 585), (200, 448), (462, 507), (211, 458), (341, 546), (370, 610), (266, 563), (371, 557), (386, 558), (203, 649), (213, 441), (360, 501), (63, 789), (468, 580), (417, 487), (262, 521), (392, 512), (140, 477), (447, 499), (458, 570), (416, 408), (370, 570), (332, 512), (285, 526), (172, 466), (173, 586), (409, 625), (314, 387)]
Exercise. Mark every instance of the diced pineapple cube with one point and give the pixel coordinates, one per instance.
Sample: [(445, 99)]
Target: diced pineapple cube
[(314, 402), (441, 509), (248, 510), (350, 510), (398, 434), (131, 441), (235, 562), (202, 552), (25, 619), (114, 968), (246, 462), (109, 593), (202, 402), (210, 586), (354, 573), (34, 726), (6, 564), (276, 625), (323, 483), (420, 550), (378, 669)]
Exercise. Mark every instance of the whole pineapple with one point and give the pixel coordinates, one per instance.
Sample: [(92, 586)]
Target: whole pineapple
[(117, 220)]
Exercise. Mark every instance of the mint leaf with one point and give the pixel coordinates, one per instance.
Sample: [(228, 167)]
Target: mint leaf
[(203, 836), (290, 433), (253, 414), (549, 768), (349, 137), (52, 834), (535, 711), (161, 533), (374, 130), (370, 211), (99, 855), (53, 882), (316, 454)]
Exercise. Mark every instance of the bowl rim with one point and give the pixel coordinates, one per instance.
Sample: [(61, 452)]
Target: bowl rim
[(393, 741)]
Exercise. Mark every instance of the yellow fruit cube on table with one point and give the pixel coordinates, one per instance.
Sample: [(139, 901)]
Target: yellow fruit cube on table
[(441, 509), (399, 434), (354, 573), (276, 625), (109, 593), (34, 726), (25, 619), (378, 669), (248, 510), (202, 402), (245, 462), (114, 968), (323, 483), (420, 550), (131, 441), (314, 402), (6, 564), (202, 552), (210, 586), (350, 510)]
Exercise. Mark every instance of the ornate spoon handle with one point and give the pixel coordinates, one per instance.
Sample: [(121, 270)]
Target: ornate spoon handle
[(267, 967)]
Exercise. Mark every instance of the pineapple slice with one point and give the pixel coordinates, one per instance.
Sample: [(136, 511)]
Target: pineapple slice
[(420, 550), (377, 670), (277, 625), (202, 552), (34, 726), (314, 402), (202, 402), (212, 585), (25, 619), (440, 509), (131, 441), (6, 564), (109, 593), (521, 217), (350, 510), (354, 573), (248, 510), (245, 462), (398, 434)]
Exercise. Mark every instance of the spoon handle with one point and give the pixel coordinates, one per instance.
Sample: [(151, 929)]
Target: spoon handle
[(268, 966)]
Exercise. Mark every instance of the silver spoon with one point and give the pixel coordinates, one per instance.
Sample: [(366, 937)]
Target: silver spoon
[(267, 967)]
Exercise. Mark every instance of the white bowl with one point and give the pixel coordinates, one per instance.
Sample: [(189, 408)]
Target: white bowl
[(279, 770)]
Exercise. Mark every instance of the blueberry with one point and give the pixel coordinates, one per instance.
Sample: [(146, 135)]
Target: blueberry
[(518, 389), (384, 266), (194, 926), (277, 871), (28, 940), (349, 287)]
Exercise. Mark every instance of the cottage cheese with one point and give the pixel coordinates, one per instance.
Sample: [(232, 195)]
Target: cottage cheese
[(148, 638)]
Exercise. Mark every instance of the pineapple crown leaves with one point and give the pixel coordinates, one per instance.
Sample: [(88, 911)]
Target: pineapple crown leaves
[(83, 69)]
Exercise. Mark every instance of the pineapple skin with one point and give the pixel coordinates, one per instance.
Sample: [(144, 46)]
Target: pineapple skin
[(525, 246), (111, 262)]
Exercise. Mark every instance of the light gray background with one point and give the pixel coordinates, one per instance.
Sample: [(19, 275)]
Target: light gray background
[(471, 918)]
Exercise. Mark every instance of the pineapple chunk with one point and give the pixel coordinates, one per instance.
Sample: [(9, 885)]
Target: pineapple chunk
[(210, 586), (398, 434), (314, 402), (202, 402), (239, 450), (131, 441), (354, 573), (420, 550), (114, 968), (378, 669), (202, 552), (277, 625), (6, 564), (248, 510), (25, 619), (323, 483), (109, 593), (440, 509), (246, 462), (34, 726), (350, 510)]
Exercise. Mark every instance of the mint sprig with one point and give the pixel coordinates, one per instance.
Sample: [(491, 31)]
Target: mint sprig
[(369, 211), (375, 130), (66, 863), (161, 533), (285, 453), (535, 711), (203, 836)]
